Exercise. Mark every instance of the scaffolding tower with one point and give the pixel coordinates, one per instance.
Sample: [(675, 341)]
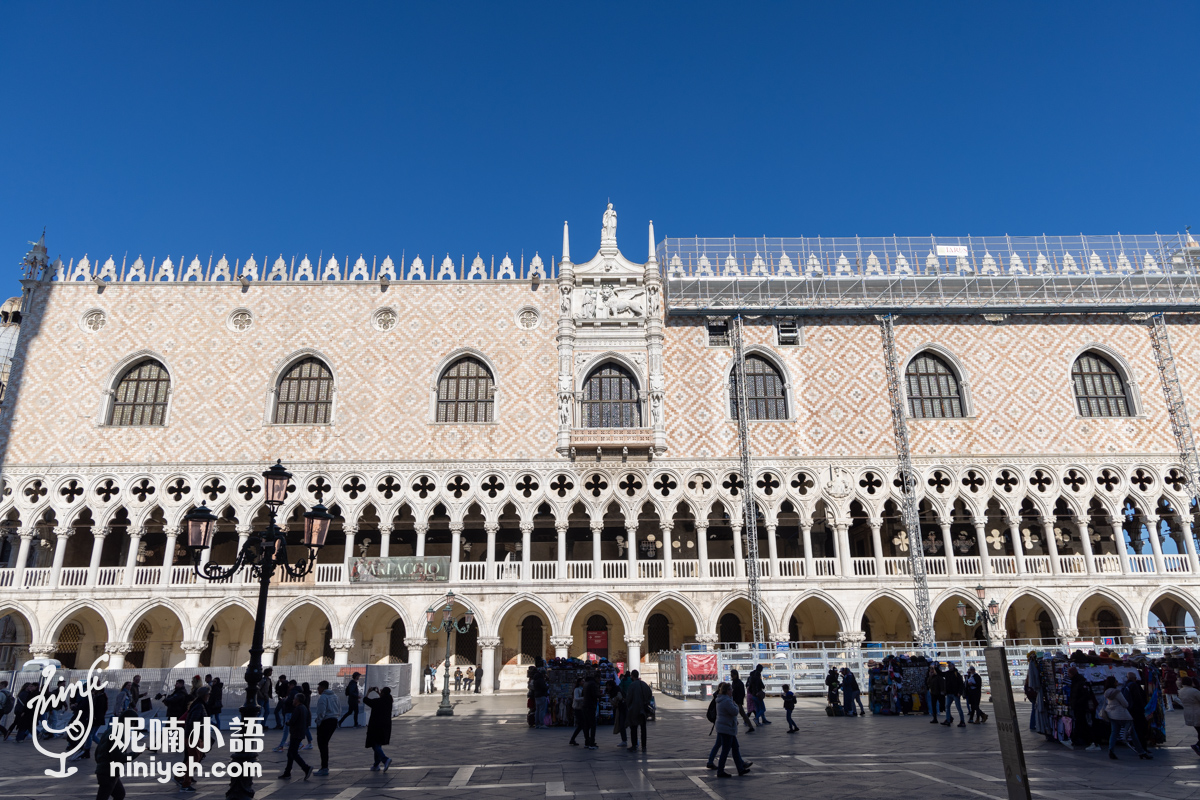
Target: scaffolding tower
[(749, 509), (1181, 425)]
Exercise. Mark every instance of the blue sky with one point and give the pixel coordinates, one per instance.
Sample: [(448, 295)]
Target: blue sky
[(176, 129)]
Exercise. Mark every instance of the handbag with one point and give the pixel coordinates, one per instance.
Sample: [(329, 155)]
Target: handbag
[(146, 705)]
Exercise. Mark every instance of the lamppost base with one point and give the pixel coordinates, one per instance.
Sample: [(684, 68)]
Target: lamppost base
[(445, 711)]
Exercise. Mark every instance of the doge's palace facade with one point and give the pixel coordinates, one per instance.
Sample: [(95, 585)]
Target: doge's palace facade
[(562, 436)]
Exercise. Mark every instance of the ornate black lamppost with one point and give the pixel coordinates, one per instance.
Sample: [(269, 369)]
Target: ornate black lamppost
[(447, 624), (262, 553), (989, 615)]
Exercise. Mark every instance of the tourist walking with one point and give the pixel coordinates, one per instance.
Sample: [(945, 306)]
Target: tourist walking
[(197, 715), (379, 725), (577, 712), (282, 702), (616, 696), (935, 688), (758, 690), (7, 703), (540, 689), (789, 705), (1170, 688), (178, 701), (287, 699), (326, 720), (1116, 711), (637, 704), (737, 690), (108, 752), (297, 724), (727, 729), (1189, 698), (1136, 696), (265, 687), (352, 700), (952, 683), (973, 692), (216, 688), (851, 694), (429, 674), (23, 715)]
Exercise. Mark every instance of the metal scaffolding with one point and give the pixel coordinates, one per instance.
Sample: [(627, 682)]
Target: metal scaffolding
[(749, 509), (908, 480), (1181, 425)]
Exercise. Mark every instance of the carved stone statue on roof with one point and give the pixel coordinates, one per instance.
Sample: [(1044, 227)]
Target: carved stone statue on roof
[(608, 230)]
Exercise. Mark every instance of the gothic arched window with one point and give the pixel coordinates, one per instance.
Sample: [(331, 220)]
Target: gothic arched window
[(730, 628), (610, 399), (933, 390), (766, 397), (1099, 390), (658, 634), (305, 395), (465, 392), (531, 639), (141, 395)]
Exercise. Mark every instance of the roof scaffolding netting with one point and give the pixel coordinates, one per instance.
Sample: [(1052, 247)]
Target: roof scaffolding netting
[(931, 274)]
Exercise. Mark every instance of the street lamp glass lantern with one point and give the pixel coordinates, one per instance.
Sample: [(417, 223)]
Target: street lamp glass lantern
[(980, 592), (200, 524), (429, 615), (447, 611), (962, 609), (277, 480), (994, 609), (316, 526), (469, 617)]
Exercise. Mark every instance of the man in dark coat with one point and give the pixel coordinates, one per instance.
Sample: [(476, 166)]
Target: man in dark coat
[(591, 700), (177, 701), (297, 724), (850, 693), (1136, 696), (215, 700), (1083, 701), (197, 715), (935, 689), (831, 685), (379, 725), (737, 690), (351, 700), (637, 704), (758, 690), (953, 686)]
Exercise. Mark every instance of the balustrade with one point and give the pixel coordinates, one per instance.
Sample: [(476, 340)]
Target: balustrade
[(722, 568), (935, 566), (472, 571), (897, 566), (650, 569), (183, 575), (1107, 564), (1175, 563), (1141, 564), (543, 570), (508, 571), (1004, 565), (1038, 565), (37, 577), (686, 568), (146, 576), (968, 565), (614, 570), (579, 570), (330, 573), (6, 576), (73, 576), (863, 566), (825, 567), (110, 576), (791, 567), (1072, 565)]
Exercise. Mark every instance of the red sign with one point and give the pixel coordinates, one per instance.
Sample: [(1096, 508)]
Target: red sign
[(702, 667), (597, 641)]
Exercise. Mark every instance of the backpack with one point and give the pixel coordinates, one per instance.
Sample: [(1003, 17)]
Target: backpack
[(6, 705), (789, 701), (711, 715)]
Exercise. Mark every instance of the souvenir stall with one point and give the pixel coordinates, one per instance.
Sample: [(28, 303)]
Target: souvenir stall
[(897, 684), (562, 673), (1048, 677)]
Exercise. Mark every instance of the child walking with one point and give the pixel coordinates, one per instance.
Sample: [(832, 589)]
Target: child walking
[(789, 704)]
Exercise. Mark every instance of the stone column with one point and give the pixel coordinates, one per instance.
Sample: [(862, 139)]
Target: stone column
[(561, 644), (668, 556), (270, 648), (456, 529), (416, 659), (243, 533), (995, 634), (385, 540), (948, 543), (1051, 544), (116, 654), (491, 528), (985, 558), (98, 535), (654, 350), (597, 528), (351, 532), (341, 650), (853, 642), (1085, 539), (634, 646), (1160, 566), (42, 649), (526, 547), (773, 550), (26, 535), (561, 570), (842, 541), (135, 540), (421, 529), (1139, 636), (707, 639), (164, 578), (1065, 637), (806, 538), (631, 550), (739, 560), (877, 548), (61, 535), (566, 353), (191, 653), (702, 549), (1118, 529), (14, 541), (1190, 544), (1014, 533), (488, 662)]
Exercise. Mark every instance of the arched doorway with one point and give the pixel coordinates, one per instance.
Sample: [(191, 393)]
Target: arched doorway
[(532, 648), (731, 628), (597, 636)]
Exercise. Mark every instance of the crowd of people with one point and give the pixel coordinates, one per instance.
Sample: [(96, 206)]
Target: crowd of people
[(631, 698), (463, 681)]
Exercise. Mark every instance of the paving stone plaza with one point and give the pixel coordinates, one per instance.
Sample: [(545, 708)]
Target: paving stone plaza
[(487, 751)]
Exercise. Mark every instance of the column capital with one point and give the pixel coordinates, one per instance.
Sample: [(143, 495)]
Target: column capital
[(171, 530), (635, 640), (489, 642), (526, 527), (491, 527), (770, 528), (197, 647), (852, 638), (456, 527), (385, 528), (101, 531), (341, 644), (597, 526), (43, 649), (350, 529), (780, 636), (272, 645), (421, 528), (631, 528), (118, 648), (561, 527), (413, 642), (27, 533), (64, 532), (1066, 634), (707, 638), (245, 530), (561, 641)]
